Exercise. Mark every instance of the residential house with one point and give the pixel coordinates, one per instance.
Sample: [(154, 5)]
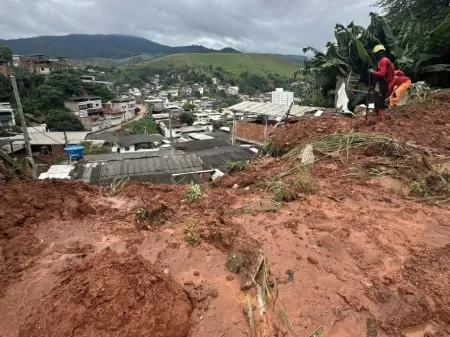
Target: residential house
[(53, 142), (5, 68), (179, 130), (215, 80), (125, 105), (140, 143), (6, 115), (201, 118), (173, 92), (232, 90), (91, 79), (39, 64), (279, 96), (196, 87)]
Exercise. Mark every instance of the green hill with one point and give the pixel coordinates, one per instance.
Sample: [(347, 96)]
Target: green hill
[(104, 62), (256, 64)]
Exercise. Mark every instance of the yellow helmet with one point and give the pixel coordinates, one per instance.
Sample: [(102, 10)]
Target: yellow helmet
[(378, 48)]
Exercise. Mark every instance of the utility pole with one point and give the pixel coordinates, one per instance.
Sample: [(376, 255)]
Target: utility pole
[(24, 128), (172, 150)]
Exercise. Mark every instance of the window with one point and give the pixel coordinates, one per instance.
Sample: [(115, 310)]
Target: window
[(42, 69), (127, 148)]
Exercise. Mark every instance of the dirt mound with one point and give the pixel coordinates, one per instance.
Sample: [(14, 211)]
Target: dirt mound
[(112, 295), (427, 123)]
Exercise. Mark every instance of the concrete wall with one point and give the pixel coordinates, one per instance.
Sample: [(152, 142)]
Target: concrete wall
[(250, 132)]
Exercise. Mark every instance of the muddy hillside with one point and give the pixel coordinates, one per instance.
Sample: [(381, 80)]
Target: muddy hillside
[(347, 233)]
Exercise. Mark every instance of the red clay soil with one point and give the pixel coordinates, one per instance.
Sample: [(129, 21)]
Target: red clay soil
[(109, 294), (427, 123)]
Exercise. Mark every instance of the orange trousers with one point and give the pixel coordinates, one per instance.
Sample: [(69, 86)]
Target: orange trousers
[(398, 92)]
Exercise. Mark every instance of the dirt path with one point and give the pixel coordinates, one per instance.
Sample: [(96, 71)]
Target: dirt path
[(142, 112)]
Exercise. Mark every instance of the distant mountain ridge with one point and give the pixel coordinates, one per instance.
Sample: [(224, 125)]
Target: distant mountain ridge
[(82, 46), (112, 46)]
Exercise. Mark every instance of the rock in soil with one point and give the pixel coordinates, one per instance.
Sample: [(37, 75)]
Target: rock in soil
[(112, 295)]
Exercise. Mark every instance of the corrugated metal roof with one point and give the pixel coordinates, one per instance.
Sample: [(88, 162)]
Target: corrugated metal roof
[(269, 109), (220, 157), (131, 155), (54, 138), (139, 138), (146, 168)]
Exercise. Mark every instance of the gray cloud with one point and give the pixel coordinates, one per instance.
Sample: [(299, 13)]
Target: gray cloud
[(281, 26)]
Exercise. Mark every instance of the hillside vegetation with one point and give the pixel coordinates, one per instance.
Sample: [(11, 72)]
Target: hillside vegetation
[(109, 63), (82, 46), (255, 64)]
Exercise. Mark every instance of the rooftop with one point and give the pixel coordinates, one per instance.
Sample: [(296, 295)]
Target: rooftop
[(218, 158), (54, 138), (107, 137), (83, 99), (198, 145), (157, 169), (139, 138), (118, 100), (269, 109)]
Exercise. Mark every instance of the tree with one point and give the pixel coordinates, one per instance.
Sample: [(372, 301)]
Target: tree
[(188, 106), (94, 89), (144, 125), (60, 120), (68, 83), (428, 12), (49, 97), (6, 91), (187, 118), (6, 53)]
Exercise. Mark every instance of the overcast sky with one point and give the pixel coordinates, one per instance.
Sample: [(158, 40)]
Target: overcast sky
[(274, 26)]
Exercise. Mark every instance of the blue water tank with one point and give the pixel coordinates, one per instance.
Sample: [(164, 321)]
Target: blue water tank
[(74, 152)]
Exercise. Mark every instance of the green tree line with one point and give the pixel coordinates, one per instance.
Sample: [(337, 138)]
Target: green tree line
[(44, 96), (416, 34)]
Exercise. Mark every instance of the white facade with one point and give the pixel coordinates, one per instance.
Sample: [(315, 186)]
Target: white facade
[(232, 90), (125, 105), (279, 96), (16, 60)]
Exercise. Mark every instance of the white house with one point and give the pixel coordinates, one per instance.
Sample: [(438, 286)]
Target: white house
[(178, 130), (201, 118), (215, 80), (279, 96), (232, 90), (125, 105), (140, 143)]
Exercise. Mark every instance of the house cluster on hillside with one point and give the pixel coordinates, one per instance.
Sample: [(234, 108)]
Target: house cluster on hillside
[(96, 115), (38, 64)]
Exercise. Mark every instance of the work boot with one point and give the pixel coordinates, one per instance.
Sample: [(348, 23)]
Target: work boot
[(380, 116)]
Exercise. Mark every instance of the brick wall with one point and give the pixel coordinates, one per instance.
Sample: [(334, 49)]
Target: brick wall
[(250, 132)]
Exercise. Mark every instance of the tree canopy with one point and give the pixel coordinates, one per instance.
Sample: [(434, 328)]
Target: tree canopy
[(60, 120), (144, 125), (5, 53), (419, 52), (188, 106), (187, 118)]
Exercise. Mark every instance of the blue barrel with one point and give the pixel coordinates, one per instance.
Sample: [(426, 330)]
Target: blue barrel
[(74, 152)]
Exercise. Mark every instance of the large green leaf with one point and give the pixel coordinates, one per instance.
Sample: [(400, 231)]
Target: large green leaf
[(390, 38), (442, 32), (362, 53)]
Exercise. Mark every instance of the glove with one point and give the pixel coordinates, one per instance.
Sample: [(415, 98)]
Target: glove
[(371, 71)]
